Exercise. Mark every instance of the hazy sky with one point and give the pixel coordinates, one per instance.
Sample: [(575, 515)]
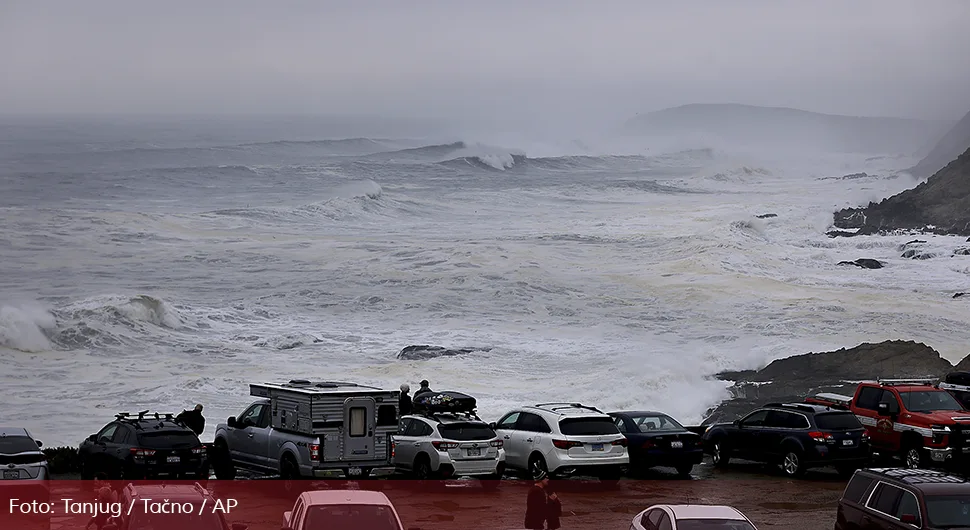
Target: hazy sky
[(490, 58)]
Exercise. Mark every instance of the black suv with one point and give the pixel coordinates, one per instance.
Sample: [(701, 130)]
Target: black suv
[(797, 436), (149, 445), (904, 498)]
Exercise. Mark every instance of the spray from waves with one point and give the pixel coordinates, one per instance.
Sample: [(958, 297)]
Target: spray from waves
[(26, 328)]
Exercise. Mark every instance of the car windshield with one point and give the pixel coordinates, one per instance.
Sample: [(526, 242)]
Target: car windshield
[(206, 520), (928, 401), (168, 440), (713, 524), (948, 511), (11, 445), (656, 422), (837, 421), (351, 517), (466, 431), (588, 426)]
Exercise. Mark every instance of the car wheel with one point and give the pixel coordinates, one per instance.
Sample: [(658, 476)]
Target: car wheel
[(537, 467), (222, 462), (720, 454), (913, 457), (422, 468), (87, 470), (791, 463), (684, 470)]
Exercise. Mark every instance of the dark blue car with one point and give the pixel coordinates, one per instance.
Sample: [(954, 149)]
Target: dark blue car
[(654, 439)]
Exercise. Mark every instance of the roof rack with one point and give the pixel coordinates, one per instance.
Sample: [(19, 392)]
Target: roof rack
[(951, 386), (800, 406), (556, 406), (915, 381), (126, 416), (838, 399)]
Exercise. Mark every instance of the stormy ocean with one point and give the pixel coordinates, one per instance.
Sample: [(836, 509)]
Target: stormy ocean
[(159, 265)]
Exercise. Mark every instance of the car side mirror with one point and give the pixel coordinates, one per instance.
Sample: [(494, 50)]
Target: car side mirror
[(231, 421), (492, 426), (93, 438), (737, 423), (39, 443), (883, 409), (239, 526), (909, 518)]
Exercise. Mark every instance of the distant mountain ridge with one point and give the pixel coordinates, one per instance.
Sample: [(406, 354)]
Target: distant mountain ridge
[(773, 126), (946, 150)]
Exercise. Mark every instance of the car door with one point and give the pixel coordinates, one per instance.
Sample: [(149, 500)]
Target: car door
[(403, 450), (418, 432), (743, 441), (505, 428), (241, 444), (259, 439), (531, 429), (778, 426), (881, 508), (102, 455)]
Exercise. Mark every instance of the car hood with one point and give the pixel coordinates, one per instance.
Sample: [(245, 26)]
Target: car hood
[(945, 417)]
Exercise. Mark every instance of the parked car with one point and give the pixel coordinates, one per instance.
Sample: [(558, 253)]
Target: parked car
[(904, 498), (691, 517), (149, 445), (20, 455), (797, 436), (655, 439), (197, 509), (447, 446), (339, 509), (560, 439)]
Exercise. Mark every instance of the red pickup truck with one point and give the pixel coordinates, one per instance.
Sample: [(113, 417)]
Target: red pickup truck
[(911, 418)]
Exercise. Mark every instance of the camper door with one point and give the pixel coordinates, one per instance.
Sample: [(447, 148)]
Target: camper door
[(359, 424)]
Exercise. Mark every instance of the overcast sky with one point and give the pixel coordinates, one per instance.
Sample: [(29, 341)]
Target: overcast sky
[(491, 58)]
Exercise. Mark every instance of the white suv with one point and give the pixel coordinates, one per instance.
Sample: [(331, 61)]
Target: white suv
[(562, 439), (448, 445)]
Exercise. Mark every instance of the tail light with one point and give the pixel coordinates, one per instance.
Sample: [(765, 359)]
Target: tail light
[(315, 452), (564, 444), (198, 450), (393, 448), (865, 435), (822, 437), (444, 446), (621, 442), (496, 443), (137, 452)]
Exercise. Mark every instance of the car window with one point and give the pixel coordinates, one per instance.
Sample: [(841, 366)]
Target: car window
[(464, 432), (755, 419), (107, 433), (656, 422), (884, 498), (418, 428), (869, 398), (856, 488), (252, 414), (664, 523), (713, 524), (534, 423), (837, 421), (587, 426), (777, 419), (402, 427), (168, 439), (120, 435), (11, 445), (620, 424), (908, 505), (890, 399), (343, 516), (508, 422), (923, 401), (651, 518), (948, 511)]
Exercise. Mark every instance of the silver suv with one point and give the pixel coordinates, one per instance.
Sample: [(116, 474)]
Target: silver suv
[(447, 445), (20, 456), (563, 439)]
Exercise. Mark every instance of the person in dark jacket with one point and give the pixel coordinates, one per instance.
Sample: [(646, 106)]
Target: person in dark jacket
[(553, 510), (405, 402), (193, 419), (537, 506), (425, 389)]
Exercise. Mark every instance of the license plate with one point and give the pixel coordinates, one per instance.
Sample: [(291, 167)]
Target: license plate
[(847, 442), (597, 447), (11, 475), (475, 451), (173, 460), (677, 445), (354, 471)]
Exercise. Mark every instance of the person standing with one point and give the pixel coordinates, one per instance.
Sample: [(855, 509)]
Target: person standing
[(405, 401), (425, 388), (193, 419), (537, 505)]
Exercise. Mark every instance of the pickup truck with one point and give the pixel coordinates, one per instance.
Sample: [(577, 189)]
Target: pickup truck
[(913, 419)]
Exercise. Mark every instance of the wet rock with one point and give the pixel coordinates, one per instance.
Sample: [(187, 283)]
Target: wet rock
[(917, 254), (958, 295), (766, 215), (962, 252), (424, 352), (865, 263), (794, 378)]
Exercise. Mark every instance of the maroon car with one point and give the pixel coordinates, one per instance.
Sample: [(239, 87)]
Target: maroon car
[(904, 498)]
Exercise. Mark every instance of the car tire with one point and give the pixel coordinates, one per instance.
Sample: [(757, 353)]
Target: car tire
[(222, 462), (87, 470), (537, 467), (913, 457), (792, 464), (720, 453), (422, 468), (684, 470)]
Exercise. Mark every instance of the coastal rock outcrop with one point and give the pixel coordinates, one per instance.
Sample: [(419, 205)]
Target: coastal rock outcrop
[(794, 378), (940, 205), (424, 352), (865, 263), (949, 147)]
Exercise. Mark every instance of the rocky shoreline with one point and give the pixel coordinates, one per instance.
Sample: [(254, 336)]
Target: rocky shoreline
[(792, 379)]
